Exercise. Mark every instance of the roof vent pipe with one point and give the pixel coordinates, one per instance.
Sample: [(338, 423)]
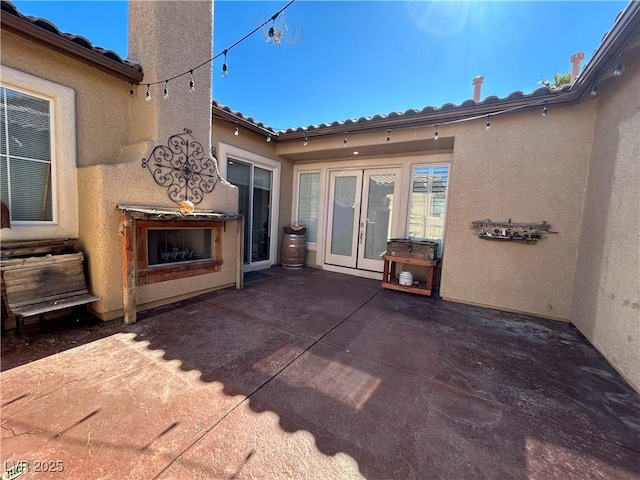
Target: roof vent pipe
[(477, 85), (576, 58)]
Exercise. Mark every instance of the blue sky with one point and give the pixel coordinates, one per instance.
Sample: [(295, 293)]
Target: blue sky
[(363, 58)]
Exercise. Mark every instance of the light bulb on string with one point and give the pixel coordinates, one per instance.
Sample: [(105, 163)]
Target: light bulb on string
[(545, 110), (192, 85), (594, 90), (305, 142), (131, 89), (166, 89), (344, 144), (388, 135), (225, 68), (618, 70), (237, 131), (147, 96), (435, 135), (268, 137), (488, 124)]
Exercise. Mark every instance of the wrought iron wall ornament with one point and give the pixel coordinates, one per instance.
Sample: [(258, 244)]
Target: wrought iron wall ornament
[(182, 167)]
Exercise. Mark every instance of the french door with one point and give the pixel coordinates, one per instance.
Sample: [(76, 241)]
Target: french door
[(362, 216)]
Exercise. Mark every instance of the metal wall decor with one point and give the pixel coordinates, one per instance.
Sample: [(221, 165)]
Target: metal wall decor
[(519, 232), (183, 168)]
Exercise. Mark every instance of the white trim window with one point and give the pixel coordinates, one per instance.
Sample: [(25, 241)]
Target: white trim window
[(26, 185), (308, 203), (429, 186), (38, 167)]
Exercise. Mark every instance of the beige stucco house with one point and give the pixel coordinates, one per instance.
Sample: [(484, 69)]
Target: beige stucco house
[(567, 157)]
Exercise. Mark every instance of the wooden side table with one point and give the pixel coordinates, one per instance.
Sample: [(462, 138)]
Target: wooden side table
[(424, 288)]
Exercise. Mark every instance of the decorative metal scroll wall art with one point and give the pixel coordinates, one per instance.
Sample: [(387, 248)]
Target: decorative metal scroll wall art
[(183, 168), (520, 232)]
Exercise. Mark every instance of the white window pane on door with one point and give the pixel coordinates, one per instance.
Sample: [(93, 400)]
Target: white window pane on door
[(343, 215), (239, 174), (261, 240), (379, 208)]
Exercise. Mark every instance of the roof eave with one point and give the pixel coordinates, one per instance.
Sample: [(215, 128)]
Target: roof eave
[(220, 112), (622, 34), (431, 118), (33, 32)]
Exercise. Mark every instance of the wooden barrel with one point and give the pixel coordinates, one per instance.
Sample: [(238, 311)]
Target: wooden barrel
[(293, 251)]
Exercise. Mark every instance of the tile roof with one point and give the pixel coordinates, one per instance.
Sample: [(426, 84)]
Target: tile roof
[(46, 32), (447, 111), (623, 33)]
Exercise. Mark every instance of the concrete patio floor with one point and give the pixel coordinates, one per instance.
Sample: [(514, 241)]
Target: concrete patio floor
[(311, 374)]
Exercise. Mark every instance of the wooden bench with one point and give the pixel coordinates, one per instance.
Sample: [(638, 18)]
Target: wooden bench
[(39, 285)]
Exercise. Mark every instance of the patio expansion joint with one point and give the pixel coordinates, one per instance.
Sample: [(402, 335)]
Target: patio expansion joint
[(261, 386)]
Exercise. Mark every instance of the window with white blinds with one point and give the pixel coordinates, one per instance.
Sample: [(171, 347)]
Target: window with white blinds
[(308, 199), (428, 201), (25, 156)]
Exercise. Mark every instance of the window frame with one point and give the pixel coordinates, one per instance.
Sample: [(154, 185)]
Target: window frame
[(444, 215), (52, 174), (64, 223), (297, 200)]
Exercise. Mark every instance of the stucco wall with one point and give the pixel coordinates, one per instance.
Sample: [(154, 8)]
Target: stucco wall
[(107, 161), (606, 300), (528, 168), (102, 101)]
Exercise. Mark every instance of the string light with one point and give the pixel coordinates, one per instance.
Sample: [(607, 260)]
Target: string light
[(435, 135), (166, 89), (594, 90), (272, 33), (345, 139), (225, 69), (131, 89), (237, 131), (268, 137), (545, 110), (388, 135), (488, 124), (618, 70), (305, 142)]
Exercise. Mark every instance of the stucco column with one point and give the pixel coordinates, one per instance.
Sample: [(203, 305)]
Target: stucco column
[(169, 38)]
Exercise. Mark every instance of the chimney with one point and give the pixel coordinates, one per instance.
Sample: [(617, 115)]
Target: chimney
[(158, 41), (477, 85), (576, 58)]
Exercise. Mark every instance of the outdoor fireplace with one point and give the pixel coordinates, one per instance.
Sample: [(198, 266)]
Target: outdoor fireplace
[(178, 245), (162, 244)]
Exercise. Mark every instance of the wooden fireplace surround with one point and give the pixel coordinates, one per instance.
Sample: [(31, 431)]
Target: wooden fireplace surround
[(137, 220)]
